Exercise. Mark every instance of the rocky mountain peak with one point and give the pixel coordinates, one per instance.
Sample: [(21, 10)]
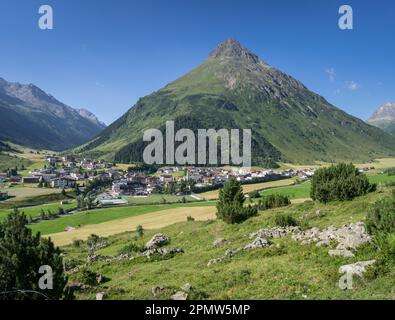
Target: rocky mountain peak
[(233, 49), (385, 112)]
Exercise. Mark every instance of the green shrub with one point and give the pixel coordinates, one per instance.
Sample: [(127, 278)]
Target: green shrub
[(77, 243), (233, 213), (380, 223), (339, 182), (390, 171), (132, 248), (254, 194), (273, 201), (139, 231), (381, 216), (87, 277), (285, 220)]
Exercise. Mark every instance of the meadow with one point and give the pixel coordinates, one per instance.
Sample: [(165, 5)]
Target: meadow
[(287, 270)]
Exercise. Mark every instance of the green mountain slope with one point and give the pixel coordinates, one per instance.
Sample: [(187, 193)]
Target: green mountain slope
[(32, 118), (384, 118), (233, 88)]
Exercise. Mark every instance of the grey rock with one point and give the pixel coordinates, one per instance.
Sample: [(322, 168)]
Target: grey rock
[(219, 243), (341, 253), (347, 237), (257, 244), (277, 232), (180, 295), (100, 296), (158, 240), (157, 291), (186, 287)]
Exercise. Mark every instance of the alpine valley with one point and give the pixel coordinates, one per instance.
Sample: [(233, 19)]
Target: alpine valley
[(234, 89)]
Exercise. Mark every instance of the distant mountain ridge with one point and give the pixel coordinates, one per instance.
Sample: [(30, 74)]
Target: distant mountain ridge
[(233, 88), (33, 118), (384, 117)]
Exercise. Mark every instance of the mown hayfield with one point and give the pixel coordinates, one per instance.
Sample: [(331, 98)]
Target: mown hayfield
[(97, 216), (153, 220), (25, 192), (212, 195)]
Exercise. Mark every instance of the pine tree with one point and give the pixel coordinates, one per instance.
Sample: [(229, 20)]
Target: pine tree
[(21, 256)]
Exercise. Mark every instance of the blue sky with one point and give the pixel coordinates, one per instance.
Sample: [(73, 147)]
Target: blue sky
[(103, 55)]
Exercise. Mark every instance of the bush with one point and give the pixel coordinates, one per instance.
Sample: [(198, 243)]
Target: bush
[(139, 231), (77, 243), (230, 207), (380, 223), (390, 171), (381, 216), (273, 201), (254, 194), (285, 220), (190, 219), (132, 248), (339, 182), (232, 213), (88, 277)]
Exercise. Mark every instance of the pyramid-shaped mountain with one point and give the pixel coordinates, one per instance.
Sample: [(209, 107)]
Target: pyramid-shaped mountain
[(233, 88)]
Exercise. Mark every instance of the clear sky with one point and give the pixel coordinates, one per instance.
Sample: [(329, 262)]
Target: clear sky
[(103, 55)]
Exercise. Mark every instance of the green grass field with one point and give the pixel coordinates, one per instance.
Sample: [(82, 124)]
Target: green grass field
[(36, 210), (287, 270), (299, 191)]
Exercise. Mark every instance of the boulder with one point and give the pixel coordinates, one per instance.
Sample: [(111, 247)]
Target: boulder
[(257, 244), (186, 287), (157, 291), (157, 241), (219, 243), (180, 295), (100, 296), (277, 232), (341, 253)]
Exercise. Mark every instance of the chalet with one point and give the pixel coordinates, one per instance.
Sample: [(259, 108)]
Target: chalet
[(166, 178), (3, 195), (3, 176), (62, 183), (31, 179), (14, 179), (45, 176), (129, 188), (68, 158)]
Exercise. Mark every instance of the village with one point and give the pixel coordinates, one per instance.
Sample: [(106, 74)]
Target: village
[(118, 183)]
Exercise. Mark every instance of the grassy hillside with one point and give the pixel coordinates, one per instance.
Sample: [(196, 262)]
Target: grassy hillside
[(287, 270)]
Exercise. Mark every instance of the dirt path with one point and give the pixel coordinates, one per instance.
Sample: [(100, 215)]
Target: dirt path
[(154, 220)]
